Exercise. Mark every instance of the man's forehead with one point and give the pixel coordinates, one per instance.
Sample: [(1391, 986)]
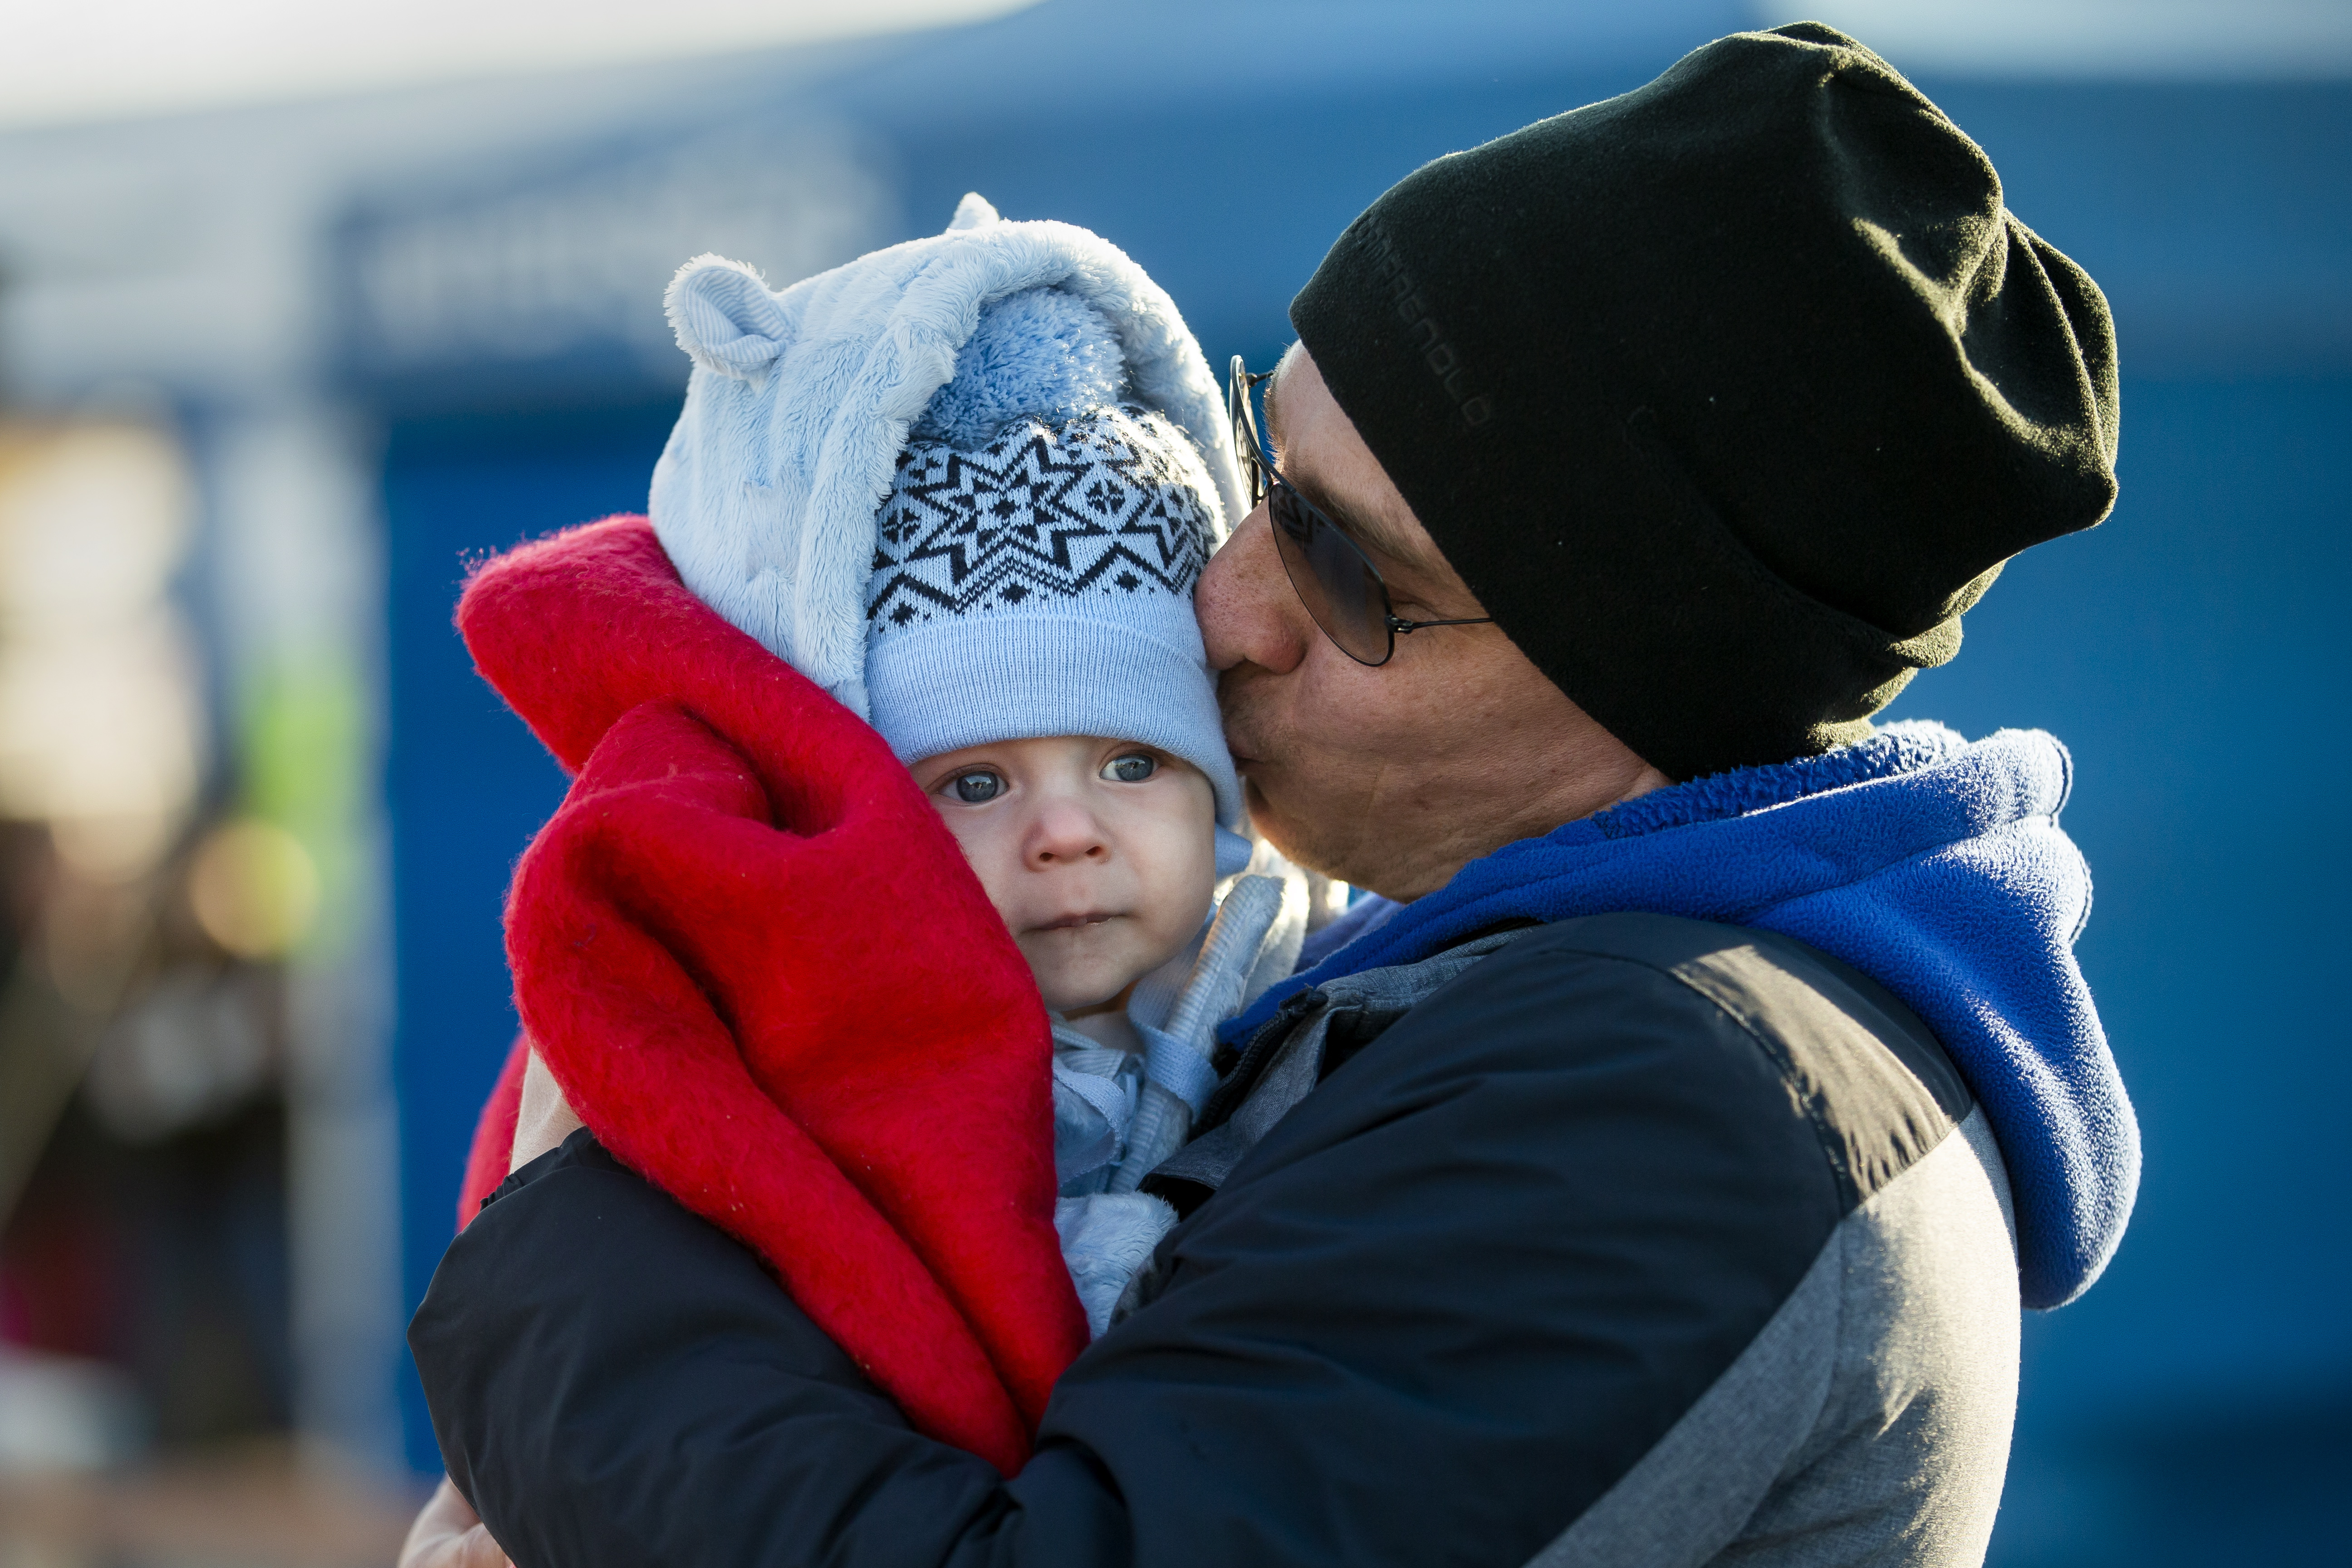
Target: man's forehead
[(1335, 457), (1369, 508), (1283, 370)]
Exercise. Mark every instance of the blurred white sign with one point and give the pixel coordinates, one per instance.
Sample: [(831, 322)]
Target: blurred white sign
[(581, 260), (100, 719)]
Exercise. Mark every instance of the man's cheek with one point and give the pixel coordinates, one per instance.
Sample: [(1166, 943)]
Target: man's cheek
[(1262, 724), (1274, 807)]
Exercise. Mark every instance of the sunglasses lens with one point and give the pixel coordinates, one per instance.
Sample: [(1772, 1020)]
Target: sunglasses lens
[(1334, 581)]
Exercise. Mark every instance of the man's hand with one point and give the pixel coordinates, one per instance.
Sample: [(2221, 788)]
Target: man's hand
[(545, 1117), (449, 1535)]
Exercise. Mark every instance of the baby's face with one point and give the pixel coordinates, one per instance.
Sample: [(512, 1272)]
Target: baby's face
[(1101, 854)]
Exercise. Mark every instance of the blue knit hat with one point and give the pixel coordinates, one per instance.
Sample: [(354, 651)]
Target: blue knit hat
[(1037, 517), (1034, 576)]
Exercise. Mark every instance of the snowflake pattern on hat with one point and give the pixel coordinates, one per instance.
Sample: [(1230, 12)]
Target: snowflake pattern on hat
[(1109, 505)]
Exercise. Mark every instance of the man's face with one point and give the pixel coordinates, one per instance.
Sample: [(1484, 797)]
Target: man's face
[(1390, 778)]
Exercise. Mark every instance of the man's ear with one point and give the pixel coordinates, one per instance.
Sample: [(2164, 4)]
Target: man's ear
[(725, 318)]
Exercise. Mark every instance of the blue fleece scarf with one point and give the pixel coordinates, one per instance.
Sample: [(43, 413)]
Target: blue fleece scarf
[(1934, 866)]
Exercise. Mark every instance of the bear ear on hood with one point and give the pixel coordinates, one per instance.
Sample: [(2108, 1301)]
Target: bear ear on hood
[(975, 211), (725, 318)]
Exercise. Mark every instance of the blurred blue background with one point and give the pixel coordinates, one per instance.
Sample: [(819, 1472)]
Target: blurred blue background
[(488, 333)]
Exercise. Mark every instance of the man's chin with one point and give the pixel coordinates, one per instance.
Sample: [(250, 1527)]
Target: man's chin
[(1295, 836)]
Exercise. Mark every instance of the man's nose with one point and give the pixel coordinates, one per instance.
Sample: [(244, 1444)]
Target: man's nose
[(1064, 833), (1248, 612)]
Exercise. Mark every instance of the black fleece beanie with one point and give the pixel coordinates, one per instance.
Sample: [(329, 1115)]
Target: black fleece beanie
[(1728, 396)]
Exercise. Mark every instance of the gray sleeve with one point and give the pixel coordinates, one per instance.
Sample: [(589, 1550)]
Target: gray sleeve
[(1869, 1422)]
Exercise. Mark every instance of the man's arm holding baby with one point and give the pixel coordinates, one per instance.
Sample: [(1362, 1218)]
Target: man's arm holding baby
[(1405, 1330), (448, 1533), (636, 1389)]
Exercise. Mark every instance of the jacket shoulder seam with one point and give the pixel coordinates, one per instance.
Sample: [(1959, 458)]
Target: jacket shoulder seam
[(1825, 1136)]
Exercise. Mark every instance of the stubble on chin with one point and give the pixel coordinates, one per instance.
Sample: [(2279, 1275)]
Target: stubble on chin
[(1315, 835), (1304, 799), (1306, 823)]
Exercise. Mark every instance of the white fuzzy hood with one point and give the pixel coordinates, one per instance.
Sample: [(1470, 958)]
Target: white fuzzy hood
[(800, 403)]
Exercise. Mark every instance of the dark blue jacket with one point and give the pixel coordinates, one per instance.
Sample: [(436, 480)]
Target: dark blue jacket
[(1587, 1235)]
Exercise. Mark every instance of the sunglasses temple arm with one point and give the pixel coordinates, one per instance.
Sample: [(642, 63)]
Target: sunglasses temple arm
[(1403, 628)]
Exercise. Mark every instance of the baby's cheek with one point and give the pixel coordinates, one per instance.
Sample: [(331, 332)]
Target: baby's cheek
[(1176, 902), (994, 861)]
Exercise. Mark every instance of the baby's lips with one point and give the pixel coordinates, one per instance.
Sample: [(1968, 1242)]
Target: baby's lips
[(1078, 921)]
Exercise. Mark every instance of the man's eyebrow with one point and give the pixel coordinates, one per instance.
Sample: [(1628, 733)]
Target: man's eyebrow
[(1371, 533), (1375, 533)]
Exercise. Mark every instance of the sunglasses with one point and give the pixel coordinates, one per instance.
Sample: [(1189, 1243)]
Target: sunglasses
[(1334, 579)]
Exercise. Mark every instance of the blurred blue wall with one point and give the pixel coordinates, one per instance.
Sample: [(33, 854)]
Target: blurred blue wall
[(2188, 651), (2192, 1407), (467, 785)]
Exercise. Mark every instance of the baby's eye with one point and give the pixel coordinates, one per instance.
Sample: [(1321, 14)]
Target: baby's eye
[(1133, 768), (978, 786)]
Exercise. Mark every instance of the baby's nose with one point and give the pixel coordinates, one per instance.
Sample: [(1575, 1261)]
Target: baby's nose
[(1063, 834)]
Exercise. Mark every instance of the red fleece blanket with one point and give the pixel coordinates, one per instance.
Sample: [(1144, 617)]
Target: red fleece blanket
[(767, 979)]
